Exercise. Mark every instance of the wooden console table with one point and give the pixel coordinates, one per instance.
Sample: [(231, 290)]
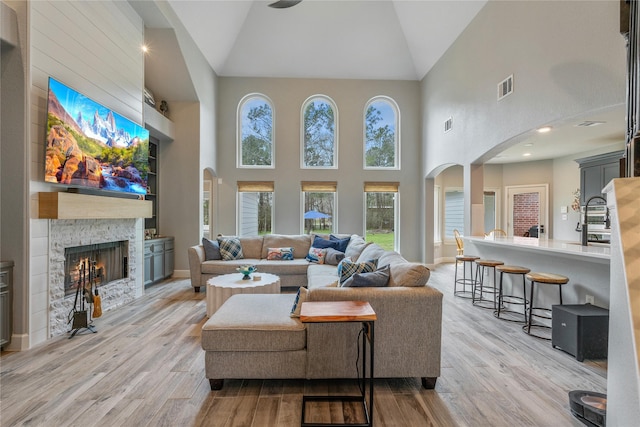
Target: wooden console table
[(344, 311)]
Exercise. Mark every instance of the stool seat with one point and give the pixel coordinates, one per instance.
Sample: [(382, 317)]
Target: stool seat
[(550, 278), (513, 269), (489, 262), (466, 257)]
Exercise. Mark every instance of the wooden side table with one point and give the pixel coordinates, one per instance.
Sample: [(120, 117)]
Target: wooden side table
[(220, 288), (344, 311)]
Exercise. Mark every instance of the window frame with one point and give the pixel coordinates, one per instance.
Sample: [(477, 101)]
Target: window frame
[(384, 187), (319, 187), (446, 238), (245, 99), (253, 187), (394, 106), (333, 105)]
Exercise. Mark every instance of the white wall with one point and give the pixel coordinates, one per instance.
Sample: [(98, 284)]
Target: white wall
[(93, 47), (350, 97)]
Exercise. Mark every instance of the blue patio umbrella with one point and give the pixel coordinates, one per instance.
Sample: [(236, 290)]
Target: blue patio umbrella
[(314, 214)]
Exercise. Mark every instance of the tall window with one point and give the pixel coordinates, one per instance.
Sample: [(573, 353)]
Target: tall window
[(490, 212), (255, 132), (255, 207), (319, 140), (319, 206), (381, 207), (382, 130), (453, 212)]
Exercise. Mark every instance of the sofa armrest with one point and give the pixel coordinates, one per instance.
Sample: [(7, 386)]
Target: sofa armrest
[(196, 258)]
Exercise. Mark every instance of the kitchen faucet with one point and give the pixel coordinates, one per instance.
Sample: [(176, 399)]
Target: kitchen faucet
[(585, 221)]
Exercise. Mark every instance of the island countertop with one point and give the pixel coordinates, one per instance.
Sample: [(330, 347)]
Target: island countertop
[(597, 252)]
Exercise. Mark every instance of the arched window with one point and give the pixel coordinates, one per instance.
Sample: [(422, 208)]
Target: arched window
[(255, 132), (381, 134), (319, 137)]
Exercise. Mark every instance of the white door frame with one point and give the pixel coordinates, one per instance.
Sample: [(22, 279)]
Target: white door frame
[(543, 214)]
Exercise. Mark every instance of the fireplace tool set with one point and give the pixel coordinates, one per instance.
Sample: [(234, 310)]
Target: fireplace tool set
[(80, 317)]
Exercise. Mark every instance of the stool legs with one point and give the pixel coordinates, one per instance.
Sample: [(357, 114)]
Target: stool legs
[(512, 299), (527, 327), (464, 281)]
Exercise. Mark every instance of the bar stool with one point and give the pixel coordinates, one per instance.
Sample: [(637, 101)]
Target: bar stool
[(467, 261), (481, 265), (546, 279), (512, 299)]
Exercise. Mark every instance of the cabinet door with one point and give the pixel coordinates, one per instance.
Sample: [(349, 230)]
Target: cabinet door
[(148, 265), (158, 264), (590, 183), (168, 263), (609, 172)]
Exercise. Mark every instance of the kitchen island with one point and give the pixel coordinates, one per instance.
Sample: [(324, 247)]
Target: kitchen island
[(587, 267)]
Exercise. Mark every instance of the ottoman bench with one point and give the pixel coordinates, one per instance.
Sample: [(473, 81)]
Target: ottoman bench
[(253, 336)]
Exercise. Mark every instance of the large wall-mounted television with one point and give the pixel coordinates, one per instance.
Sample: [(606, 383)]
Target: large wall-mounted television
[(91, 146)]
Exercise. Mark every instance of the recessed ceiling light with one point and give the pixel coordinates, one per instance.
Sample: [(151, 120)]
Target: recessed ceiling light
[(526, 154), (529, 144), (544, 129), (145, 48)]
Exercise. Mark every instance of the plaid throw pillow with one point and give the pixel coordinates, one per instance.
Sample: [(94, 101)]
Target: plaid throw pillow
[(230, 248), (348, 268)]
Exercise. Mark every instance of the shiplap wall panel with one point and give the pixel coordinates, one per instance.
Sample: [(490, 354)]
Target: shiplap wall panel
[(93, 47)]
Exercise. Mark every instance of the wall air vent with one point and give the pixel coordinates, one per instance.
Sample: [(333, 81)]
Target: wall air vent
[(448, 124), (505, 87)]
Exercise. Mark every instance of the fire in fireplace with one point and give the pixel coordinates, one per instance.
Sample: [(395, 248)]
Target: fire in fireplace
[(110, 263)]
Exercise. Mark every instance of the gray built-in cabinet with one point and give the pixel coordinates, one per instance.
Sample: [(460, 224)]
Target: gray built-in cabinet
[(597, 171), (6, 270), (158, 259)]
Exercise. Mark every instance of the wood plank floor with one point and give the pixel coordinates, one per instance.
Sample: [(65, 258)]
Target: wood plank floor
[(145, 367)]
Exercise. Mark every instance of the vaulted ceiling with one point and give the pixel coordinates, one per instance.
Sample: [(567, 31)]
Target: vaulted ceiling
[(353, 39)]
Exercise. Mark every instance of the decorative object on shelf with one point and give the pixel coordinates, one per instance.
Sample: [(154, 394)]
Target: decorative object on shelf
[(246, 270), (575, 205), (164, 108)]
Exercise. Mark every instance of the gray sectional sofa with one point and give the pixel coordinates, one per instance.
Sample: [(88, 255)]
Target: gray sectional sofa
[(254, 336)]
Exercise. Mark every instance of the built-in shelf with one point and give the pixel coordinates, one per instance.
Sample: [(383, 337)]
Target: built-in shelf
[(158, 125), (62, 205)]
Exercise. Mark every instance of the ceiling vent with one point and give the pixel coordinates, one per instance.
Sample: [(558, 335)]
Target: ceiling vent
[(448, 124), (505, 87), (589, 123)]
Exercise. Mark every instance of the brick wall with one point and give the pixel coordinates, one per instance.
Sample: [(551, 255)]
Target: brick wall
[(525, 212)]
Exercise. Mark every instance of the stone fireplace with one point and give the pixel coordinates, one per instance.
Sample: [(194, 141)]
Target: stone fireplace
[(96, 235), (99, 263)]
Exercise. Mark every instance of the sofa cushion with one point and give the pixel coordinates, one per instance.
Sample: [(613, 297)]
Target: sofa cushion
[(390, 257), (320, 276), (230, 248), (317, 255), (355, 247), (348, 268), (228, 267), (372, 251), (377, 278), (284, 254), (408, 274), (211, 249), (300, 244), (252, 247), (252, 322), (284, 268), (301, 296)]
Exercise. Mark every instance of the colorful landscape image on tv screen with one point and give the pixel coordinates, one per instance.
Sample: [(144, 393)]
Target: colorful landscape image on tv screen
[(90, 146)]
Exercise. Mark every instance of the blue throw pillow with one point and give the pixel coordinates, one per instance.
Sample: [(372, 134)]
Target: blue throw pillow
[(320, 243), (211, 249), (342, 243), (378, 278)]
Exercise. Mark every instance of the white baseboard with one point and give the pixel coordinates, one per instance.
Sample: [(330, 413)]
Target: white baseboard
[(181, 274), (19, 342)]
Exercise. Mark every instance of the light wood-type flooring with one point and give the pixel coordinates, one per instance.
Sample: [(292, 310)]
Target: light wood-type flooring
[(145, 367)]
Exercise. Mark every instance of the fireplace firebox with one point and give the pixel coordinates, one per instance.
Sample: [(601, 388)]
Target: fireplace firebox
[(110, 261)]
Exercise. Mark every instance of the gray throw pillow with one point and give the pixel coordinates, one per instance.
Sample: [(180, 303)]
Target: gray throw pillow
[(378, 278), (211, 249), (333, 257)]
